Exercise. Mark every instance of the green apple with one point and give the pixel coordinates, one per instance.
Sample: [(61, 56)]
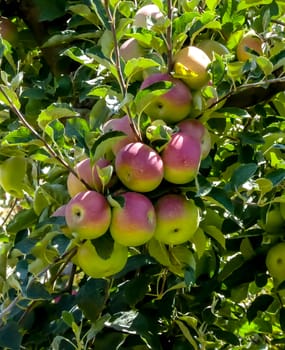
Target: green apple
[(122, 124), (274, 222), (88, 214), (147, 15), (139, 167), (195, 128), (88, 172), (191, 65), (12, 175), (181, 158), (249, 41), (275, 261), (134, 222), (97, 266), (172, 106), (177, 219), (210, 47)]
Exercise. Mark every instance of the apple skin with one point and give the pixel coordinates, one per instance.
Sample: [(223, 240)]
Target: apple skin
[(88, 214), (210, 47), (177, 219), (120, 124), (181, 158), (134, 223), (172, 106), (191, 66), (139, 167), (131, 49), (12, 175), (274, 221), (252, 41), (8, 30), (194, 128), (88, 174), (275, 261), (96, 266), (143, 14)]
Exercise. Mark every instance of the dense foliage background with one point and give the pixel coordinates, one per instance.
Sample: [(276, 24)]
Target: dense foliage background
[(59, 82)]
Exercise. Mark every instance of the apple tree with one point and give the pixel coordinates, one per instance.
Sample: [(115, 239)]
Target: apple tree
[(142, 174)]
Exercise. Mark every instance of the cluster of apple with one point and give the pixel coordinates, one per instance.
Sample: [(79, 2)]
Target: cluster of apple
[(132, 217)]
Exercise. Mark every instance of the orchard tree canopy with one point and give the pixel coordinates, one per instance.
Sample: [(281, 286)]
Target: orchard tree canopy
[(142, 174)]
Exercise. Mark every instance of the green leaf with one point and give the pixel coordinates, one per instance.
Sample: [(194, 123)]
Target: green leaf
[(104, 245), (136, 65), (159, 252), (67, 317), (221, 196), (55, 111), (8, 97), (50, 9), (23, 219), (186, 333), (260, 303), (136, 289), (91, 298), (233, 264), (217, 234), (37, 291), (200, 242), (10, 336), (217, 69), (282, 318), (245, 4), (85, 12), (242, 174)]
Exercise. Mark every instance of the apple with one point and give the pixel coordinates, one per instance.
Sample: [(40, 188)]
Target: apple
[(134, 222), (249, 41), (88, 173), (8, 30), (88, 214), (191, 65), (210, 47), (274, 221), (96, 266), (194, 128), (177, 219), (147, 15), (181, 158), (122, 124), (130, 48), (12, 175), (172, 106), (139, 167), (275, 261)]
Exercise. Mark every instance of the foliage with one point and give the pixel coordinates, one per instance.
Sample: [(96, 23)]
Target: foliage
[(59, 83)]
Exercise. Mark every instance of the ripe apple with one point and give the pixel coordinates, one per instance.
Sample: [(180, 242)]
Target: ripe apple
[(177, 219), (120, 124), (275, 261), (12, 175), (88, 214), (8, 30), (95, 265), (88, 173), (194, 128), (181, 158), (249, 41), (139, 167), (191, 65), (210, 47), (172, 106), (147, 15), (133, 224)]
